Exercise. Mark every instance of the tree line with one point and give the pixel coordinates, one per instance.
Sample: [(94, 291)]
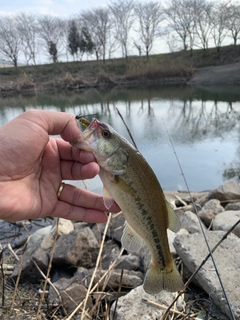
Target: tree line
[(122, 25)]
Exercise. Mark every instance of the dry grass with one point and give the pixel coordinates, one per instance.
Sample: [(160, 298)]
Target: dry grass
[(121, 71), (23, 82), (26, 301), (153, 71)]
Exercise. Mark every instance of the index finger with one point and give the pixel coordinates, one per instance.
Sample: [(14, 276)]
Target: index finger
[(54, 123)]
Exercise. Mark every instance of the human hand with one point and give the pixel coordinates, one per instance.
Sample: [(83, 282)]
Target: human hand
[(33, 165)]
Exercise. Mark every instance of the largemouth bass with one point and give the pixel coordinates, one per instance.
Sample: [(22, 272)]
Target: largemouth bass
[(131, 183)]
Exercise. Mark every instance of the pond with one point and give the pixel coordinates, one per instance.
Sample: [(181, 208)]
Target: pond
[(197, 128)]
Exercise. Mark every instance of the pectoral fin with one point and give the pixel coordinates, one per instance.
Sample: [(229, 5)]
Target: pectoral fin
[(131, 241), (107, 199), (173, 222)]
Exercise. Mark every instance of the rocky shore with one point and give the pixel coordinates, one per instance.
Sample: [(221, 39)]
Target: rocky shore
[(93, 278)]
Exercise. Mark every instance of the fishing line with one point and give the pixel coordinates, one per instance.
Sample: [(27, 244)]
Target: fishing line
[(199, 220)]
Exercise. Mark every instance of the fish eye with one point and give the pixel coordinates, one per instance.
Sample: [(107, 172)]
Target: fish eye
[(106, 133)]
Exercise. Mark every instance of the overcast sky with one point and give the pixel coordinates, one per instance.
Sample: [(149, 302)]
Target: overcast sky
[(62, 8), (65, 9)]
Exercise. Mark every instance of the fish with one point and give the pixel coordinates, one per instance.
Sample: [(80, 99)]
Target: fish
[(129, 180)]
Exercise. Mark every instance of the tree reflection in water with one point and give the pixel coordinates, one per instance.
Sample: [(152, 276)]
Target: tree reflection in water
[(198, 120)]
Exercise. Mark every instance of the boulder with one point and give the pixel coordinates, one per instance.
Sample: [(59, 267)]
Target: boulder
[(135, 305), (233, 206), (131, 279), (115, 229), (225, 220), (64, 226), (78, 248), (189, 221), (192, 250), (110, 253), (128, 262), (210, 210), (228, 191), (55, 295), (73, 296), (38, 249)]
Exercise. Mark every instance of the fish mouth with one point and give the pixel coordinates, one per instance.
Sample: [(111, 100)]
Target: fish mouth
[(88, 133), (87, 137)]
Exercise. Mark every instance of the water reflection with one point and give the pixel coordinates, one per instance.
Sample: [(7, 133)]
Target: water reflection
[(203, 124)]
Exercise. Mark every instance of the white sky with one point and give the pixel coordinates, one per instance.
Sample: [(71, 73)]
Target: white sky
[(61, 8), (66, 9)]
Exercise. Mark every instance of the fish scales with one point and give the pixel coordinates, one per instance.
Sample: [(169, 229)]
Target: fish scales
[(129, 180), (138, 209)]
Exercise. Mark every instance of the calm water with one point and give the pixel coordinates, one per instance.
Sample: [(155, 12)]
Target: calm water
[(203, 125)]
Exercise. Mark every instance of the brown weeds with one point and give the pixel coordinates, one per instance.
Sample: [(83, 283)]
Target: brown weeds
[(153, 71), (23, 302)]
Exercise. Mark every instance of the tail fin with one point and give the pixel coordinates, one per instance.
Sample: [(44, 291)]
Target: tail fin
[(157, 280)]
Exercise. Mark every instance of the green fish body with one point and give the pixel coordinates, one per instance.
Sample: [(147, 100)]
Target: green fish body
[(131, 183)]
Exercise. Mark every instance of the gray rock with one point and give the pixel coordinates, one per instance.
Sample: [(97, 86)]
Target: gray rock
[(134, 305), (189, 221), (128, 262), (78, 248), (64, 226), (38, 248), (73, 295), (193, 250), (233, 206), (225, 220), (210, 210), (110, 253), (115, 229), (228, 191), (62, 284), (131, 279)]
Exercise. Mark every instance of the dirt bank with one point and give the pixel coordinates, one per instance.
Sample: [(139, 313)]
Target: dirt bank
[(219, 75)]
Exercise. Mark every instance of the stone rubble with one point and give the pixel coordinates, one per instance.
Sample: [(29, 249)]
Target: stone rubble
[(192, 250), (225, 220), (78, 244)]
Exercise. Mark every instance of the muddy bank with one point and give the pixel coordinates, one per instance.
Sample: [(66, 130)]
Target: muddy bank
[(25, 84), (28, 82), (220, 75)]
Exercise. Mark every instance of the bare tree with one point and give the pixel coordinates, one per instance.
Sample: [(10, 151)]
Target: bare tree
[(180, 14), (98, 21), (27, 27), (123, 17), (51, 32), (203, 23), (171, 40), (139, 48), (149, 15), (10, 41), (219, 30), (232, 21), (112, 45)]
